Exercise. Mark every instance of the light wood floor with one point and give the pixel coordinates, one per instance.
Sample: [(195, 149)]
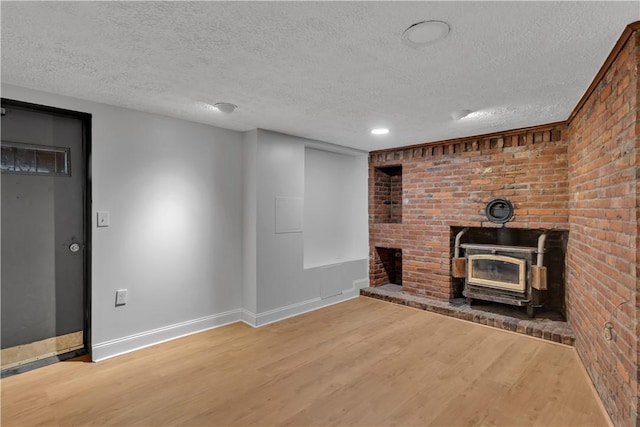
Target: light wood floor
[(362, 363)]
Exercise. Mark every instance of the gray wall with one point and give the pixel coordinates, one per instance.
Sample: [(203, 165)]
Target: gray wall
[(249, 292), (335, 207), (192, 233), (283, 285), (174, 192)]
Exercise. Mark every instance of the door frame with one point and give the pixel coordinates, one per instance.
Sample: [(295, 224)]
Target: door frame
[(85, 119)]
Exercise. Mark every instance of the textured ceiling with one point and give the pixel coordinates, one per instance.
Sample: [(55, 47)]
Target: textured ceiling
[(323, 70)]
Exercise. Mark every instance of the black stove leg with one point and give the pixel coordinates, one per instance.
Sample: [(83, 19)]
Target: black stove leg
[(531, 311)]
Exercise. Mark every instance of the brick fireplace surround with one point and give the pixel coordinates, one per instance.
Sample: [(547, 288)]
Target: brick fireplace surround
[(581, 175)]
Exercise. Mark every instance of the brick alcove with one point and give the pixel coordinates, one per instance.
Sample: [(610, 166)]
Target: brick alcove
[(389, 267), (387, 196)]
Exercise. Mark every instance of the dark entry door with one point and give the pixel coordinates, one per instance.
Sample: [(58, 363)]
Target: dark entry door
[(43, 233)]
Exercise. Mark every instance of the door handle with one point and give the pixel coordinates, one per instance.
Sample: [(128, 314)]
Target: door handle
[(74, 247)]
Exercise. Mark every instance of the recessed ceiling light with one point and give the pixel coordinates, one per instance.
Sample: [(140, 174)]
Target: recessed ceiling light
[(380, 131), (425, 33), (225, 107), (460, 114)]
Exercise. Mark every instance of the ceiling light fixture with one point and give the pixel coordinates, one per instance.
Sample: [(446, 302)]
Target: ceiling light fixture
[(380, 131), (425, 33), (226, 107), (460, 114)]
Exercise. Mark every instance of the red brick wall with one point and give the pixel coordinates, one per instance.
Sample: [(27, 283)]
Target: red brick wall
[(449, 184), (602, 255), (637, 209)]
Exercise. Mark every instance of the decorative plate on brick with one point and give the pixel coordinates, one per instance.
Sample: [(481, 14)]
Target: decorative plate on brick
[(499, 211)]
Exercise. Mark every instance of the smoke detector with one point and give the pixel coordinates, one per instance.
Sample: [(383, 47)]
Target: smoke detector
[(225, 107), (425, 33)]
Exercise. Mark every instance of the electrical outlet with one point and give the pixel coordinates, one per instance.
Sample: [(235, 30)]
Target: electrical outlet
[(121, 297), (608, 331)]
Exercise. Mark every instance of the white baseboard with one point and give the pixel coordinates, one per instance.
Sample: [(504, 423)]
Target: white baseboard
[(360, 284), (281, 313), (108, 349), (248, 317)]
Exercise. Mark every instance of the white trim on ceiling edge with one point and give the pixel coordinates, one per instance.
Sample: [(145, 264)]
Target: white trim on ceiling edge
[(119, 346)]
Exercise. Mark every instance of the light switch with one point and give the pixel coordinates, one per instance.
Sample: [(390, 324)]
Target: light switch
[(103, 219), (121, 297)]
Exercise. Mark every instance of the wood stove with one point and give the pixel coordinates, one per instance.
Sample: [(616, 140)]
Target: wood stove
[(505, 274)]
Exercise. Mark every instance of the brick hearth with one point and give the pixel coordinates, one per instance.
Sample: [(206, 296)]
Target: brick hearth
[(547, 329)]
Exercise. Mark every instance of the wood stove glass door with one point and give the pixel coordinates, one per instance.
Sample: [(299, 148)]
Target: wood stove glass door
[(497, 271)]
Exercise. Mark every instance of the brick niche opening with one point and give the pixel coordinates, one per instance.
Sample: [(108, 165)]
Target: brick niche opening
[(388, 267), (388, 195)]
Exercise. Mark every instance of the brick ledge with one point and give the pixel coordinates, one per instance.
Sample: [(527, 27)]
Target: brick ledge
[(550, 330)]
